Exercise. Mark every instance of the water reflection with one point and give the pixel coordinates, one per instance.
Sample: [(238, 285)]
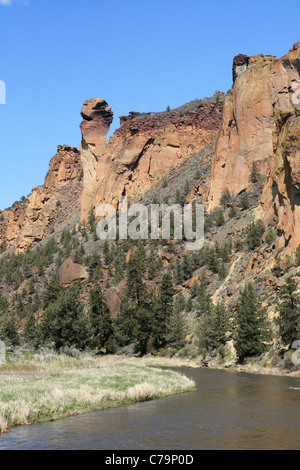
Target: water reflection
[(228, 411)]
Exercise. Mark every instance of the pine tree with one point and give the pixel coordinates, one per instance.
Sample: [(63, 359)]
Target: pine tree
[(31, 333), (254, 174), (254, 234), (289, 313), (9, 329), (136, 270), (162, 312), (225, 198), (214, 325), (252, 328), (3, 304), (92, 220), (137, 307), (64, 322), (126, 324), (176, 327), (297, 256), (232, 212), (52, 292), (220, 219), (244, 202), (203, 302), (101, 324)]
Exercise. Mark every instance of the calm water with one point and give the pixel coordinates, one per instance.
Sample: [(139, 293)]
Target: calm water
[(228, 411)]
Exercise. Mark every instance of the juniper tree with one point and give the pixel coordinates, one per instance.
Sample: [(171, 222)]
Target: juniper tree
[(251, 326)]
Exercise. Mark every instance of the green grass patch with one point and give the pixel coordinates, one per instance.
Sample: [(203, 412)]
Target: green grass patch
[(32, 391)]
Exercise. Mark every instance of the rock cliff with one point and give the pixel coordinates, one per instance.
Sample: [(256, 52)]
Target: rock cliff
[(26, 222), (261, 124), (143, 149)]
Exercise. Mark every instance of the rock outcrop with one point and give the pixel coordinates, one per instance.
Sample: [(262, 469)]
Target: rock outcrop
[(260, 124), (143, 149), (70, 272), (25, 223)]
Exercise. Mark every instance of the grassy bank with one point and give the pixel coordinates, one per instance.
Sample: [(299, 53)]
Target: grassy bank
[(35, 390)]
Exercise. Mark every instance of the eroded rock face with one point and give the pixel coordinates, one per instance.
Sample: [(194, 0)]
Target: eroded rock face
[(254, 128), (143, 149), (25, 223)]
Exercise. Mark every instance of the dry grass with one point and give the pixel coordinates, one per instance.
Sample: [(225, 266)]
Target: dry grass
[(33, 390)]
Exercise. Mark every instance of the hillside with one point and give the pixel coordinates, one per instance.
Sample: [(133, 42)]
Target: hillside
[(238, 153)]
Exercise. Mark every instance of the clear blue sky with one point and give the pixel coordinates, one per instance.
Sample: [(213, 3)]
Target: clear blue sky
[(141, 55)]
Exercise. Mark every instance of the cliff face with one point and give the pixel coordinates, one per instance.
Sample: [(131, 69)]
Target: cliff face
[(143, 149), (261, 124), (257, 122), (26, 222)]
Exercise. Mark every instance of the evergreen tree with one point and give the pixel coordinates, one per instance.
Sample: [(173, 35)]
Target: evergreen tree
[(176, 327), (31, 333), (3, 304), (297, 256), (136, 270), (101, 324), (220, 219), (52, 292), (252, 328), (203, 302), (225, 198), (153, 266), (232, 212), (289, 313), (126, 324), (254, 234), (254, 174), (136, 309), (64, 322), (92, 220), (162, 312), (244, 202), (9, 329), (214, 325)]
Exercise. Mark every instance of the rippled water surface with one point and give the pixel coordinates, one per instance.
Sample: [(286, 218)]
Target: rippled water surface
[(228, 411)]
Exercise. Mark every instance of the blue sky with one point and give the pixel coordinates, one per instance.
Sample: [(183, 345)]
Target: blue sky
[(141, 55)]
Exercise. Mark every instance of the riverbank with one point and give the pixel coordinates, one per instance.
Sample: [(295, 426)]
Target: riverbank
[(251, 367), (52, 387)]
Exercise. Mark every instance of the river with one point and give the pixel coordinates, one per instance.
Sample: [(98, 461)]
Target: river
[(229, 410)]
